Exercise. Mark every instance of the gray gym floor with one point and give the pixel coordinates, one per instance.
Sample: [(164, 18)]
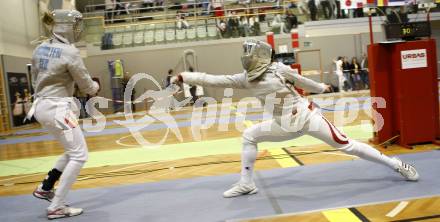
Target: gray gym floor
[(286, 190)]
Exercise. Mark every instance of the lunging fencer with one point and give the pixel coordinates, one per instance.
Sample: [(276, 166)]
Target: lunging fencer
[(293, 115), (56, 67)]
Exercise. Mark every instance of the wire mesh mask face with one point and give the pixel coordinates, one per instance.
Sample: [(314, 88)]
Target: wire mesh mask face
[(68, 24), (256, 58)]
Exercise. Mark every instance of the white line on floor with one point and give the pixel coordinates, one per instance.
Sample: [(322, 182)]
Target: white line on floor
[(120, 169), (12, 178), (118, 141), (397, 209), (317, 152)]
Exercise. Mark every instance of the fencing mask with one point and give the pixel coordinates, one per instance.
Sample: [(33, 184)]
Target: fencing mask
[(256, 58)]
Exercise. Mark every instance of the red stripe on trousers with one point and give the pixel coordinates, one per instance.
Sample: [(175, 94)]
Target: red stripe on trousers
[(335, 137), (69, 123)]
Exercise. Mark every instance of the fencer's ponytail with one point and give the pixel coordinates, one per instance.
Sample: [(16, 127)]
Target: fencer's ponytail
[(47, 19)]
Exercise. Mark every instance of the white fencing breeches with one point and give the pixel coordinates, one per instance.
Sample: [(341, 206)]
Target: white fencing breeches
[(59, 119), (317, 126), (341, 80)]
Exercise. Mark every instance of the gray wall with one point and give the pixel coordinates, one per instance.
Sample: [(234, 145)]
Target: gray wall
[(216, 58), (19, 25), (330, 48), (15, 64), (12, 64)]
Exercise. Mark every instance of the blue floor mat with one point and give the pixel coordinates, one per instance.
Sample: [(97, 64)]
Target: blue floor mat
[(286, 190)]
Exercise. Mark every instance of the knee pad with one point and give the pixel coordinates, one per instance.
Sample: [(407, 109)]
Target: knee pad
[(52, 177)]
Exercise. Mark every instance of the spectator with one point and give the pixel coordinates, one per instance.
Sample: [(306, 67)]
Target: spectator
[(233, 24), (254, 25), (333, 7), (243, 26), (340, 13), (327, 9), (206, 5), (291, 21), (158, 5), (168, 78), (302, 8), (120, 7), (261, 15), (218, 8), (277, 24), (125, 7), (222, 28), (313, 10), (347, 74), (110, 6), (364, 71), (181, 22), (358, 12), (355, 74), (339, 73), (147, 5)]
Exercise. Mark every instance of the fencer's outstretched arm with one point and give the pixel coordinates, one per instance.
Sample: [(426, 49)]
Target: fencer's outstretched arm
[(300, 81), (203, 79), (80, 74)]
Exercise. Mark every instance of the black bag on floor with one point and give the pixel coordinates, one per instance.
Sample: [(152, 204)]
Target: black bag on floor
[(107, 41)]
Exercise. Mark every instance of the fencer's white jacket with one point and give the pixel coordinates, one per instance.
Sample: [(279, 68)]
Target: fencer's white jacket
[(271, 87), (56, 67)]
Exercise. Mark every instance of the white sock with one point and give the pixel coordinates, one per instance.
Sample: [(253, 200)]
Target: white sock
[(248, 157), (67, 179), (367, 152)]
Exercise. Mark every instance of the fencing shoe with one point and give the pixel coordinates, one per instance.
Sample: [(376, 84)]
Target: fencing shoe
[(407, 171), (42, 194), (63, 211), (241, 188)]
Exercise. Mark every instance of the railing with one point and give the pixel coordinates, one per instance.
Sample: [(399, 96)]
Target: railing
[(163, 24), (173, 4), (165, 28), (169, 11)]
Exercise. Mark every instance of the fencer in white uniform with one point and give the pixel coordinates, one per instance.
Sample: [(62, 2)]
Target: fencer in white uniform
[(56, 67), (293, 116)]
